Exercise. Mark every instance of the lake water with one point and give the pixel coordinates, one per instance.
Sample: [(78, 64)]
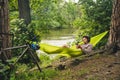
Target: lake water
[(59, 42)]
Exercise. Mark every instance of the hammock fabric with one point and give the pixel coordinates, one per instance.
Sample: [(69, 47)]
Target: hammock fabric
[(72, 51)]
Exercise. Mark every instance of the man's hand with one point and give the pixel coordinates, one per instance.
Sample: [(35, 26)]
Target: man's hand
[(65, 46), (78, 46)]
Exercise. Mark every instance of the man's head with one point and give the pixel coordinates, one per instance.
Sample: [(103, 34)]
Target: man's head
[(86, 39)]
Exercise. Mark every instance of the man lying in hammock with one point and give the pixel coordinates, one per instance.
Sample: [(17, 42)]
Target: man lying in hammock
[(86, 47), (82, 47)]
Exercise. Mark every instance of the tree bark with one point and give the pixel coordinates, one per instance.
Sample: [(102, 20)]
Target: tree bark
[(24, 10), (4, 29), (114, 36)]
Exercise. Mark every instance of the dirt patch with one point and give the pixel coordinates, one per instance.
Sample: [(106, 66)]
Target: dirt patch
[(97, 67)]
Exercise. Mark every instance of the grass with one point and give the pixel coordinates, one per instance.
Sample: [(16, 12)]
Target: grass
[(68, 72), (45, 60), (83, 72), (26, 74), (93, 78)]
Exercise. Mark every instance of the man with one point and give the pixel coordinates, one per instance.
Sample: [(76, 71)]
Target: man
[(86, 47)]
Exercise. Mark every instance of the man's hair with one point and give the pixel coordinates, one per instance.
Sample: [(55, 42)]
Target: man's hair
[(87, 37)]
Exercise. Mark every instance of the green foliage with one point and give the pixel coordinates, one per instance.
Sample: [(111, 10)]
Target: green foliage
[(49, 73), (45, 60), (24, 73), (4, 71), (96, 16), (13, 5), (44, 14), (54, 14), (22, 32), (18, 28), (13, 15)]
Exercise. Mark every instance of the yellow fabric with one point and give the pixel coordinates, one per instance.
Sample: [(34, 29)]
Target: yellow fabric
[(69, 52)]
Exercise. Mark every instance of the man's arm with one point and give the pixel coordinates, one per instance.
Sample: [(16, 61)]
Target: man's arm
[(87, 49)]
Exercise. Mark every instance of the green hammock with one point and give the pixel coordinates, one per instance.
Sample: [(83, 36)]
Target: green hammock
[(72, 51)]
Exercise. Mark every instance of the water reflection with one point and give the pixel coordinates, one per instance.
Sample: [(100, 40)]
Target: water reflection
[(59, 42)]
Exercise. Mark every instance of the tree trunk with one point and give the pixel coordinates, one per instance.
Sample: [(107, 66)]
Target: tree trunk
[(24, 10), (4, 29), (114, 37)]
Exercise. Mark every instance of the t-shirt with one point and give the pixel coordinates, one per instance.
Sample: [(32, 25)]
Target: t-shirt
[(87, 48)]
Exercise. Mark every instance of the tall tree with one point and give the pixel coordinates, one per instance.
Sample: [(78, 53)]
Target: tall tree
[(24, 10), (4, 29), (114, 36)]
